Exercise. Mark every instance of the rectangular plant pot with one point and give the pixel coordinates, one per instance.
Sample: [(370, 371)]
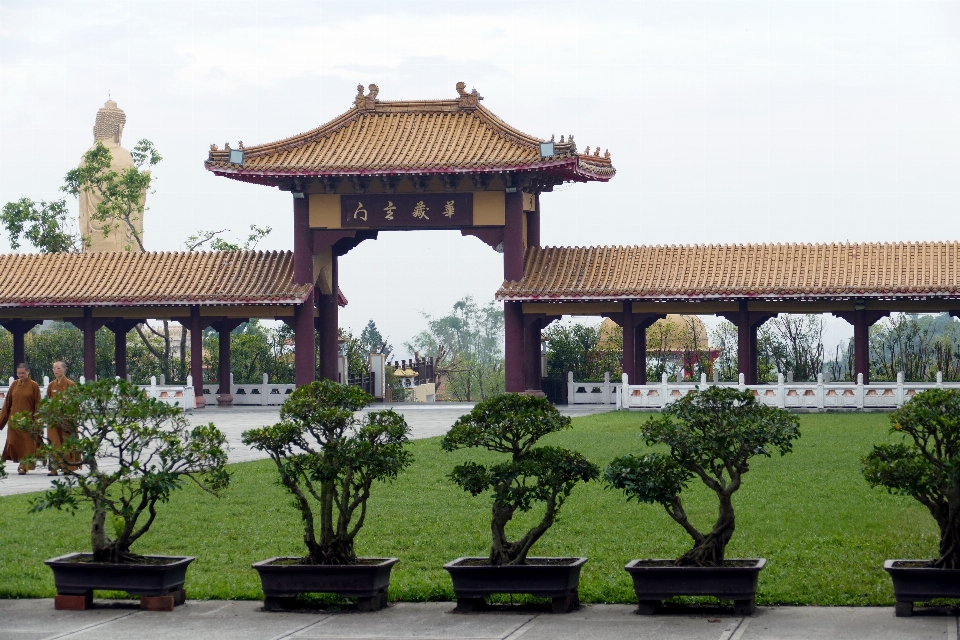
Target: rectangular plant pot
[(472, 583), (920, 584), (653, 584), (368, 582), (79, 578)]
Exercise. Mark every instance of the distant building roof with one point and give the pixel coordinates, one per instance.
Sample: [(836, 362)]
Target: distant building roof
[(174, 278), (409, 137), (727, 272)]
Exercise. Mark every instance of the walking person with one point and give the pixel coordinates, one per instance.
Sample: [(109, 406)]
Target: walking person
[(23, 395), (58, 434)]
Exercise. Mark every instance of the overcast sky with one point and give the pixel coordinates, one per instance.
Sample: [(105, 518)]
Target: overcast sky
[(727, 121)]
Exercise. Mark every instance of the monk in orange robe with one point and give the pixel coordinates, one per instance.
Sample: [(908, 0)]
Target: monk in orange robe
[(58, 434), (24, 395)]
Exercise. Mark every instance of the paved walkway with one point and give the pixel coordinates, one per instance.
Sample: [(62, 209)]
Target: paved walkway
[(426, 420), (213, 620)]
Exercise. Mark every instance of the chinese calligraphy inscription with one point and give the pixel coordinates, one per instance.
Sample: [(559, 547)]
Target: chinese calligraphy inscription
[(407, 210)]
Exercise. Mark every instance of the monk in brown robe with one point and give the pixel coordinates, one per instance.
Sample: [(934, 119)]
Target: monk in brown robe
[(24, 395), (58, 434)]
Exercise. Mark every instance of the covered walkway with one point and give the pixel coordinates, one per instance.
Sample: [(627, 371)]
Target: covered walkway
[(746, 284)]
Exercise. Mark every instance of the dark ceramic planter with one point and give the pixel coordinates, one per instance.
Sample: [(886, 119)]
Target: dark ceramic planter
[(653, 584), (366, 582), (75, 581), (920, 584), (473, 583)]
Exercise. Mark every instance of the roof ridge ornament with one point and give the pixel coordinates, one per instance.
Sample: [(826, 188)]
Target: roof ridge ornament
[(468, 101), (367, 102)]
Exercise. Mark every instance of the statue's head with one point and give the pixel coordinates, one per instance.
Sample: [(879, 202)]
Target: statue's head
[(110, 121)]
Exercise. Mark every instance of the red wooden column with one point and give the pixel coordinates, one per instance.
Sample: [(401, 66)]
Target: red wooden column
[(305, 355), (748, 322), (629, 358), (19, 329), (224, 327), (862, 319), (642, 322), (513, 311), (532, 365), (196, 356), (120, 329), (89, 345), (329, 323)]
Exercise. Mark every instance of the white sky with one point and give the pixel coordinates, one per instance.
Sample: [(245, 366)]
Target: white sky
[(728, 121)]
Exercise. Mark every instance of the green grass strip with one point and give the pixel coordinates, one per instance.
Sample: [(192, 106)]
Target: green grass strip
[(824, 532)]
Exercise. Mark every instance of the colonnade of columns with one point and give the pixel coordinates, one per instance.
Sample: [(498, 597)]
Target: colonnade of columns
[(89, 325), (522, 343)]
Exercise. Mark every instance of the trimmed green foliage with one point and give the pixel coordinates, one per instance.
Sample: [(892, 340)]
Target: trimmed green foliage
[(152, 444), (322, 451), (927, 465), (824, 532), (512, 424), (711, 434)]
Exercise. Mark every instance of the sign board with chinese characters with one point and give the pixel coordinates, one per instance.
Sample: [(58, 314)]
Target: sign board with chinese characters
[(406, 211)]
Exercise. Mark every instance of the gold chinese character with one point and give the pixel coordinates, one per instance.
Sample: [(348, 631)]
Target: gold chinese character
[(420, 211), (448, 209), (390, 208), (360, 209)]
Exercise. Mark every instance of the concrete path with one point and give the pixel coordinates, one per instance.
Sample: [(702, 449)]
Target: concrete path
[(229, 620), (426, 420)]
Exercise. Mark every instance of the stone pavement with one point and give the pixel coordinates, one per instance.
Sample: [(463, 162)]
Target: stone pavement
[(228, 620), (426, 420)]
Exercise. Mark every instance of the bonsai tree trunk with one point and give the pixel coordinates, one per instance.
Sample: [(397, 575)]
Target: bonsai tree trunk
[(949, 531), (502, 551), (709, 549)]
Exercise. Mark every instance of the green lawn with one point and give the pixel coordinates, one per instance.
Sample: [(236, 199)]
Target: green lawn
[(824, 532)]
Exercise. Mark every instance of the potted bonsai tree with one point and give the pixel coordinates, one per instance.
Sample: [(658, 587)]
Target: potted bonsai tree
[(328, 459), (926, 466), (136, 451), (512, 424), (712, 434)]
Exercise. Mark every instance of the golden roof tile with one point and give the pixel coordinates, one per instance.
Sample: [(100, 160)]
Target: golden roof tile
[(150, 278), (409, 137), (771, 271)]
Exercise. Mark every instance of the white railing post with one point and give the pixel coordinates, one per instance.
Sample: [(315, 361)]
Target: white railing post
[(860, 391), (233, 386), (265, 390), (153, 387), (664, 390), (741, 382), (821, 394), (83, 380), (163, 380), (624, 392), (900, 390), (46, 381), (571, 389), (606, 387), (781, 392), (703, 381), (939, 379), (10, 381), (189, 381)]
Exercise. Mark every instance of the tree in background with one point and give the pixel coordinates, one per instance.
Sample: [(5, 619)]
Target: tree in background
[(121, 194), (586, 350), (255, 349), (786, 343), (373, 342), (215, 242), (469, 339), (917, 345), (48, 226)]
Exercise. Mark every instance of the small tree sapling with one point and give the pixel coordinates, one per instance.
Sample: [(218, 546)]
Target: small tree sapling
[(711, 434), (512, 424), (926, 466), (135, 450), (328, 456)]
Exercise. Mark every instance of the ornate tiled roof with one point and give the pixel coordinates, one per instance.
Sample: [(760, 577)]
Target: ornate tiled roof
[(177, 278), (413, 137), (712, 272)]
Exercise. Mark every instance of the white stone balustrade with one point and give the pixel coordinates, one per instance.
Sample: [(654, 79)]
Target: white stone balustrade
[(802, 396), (605, 392), (262, 395)]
